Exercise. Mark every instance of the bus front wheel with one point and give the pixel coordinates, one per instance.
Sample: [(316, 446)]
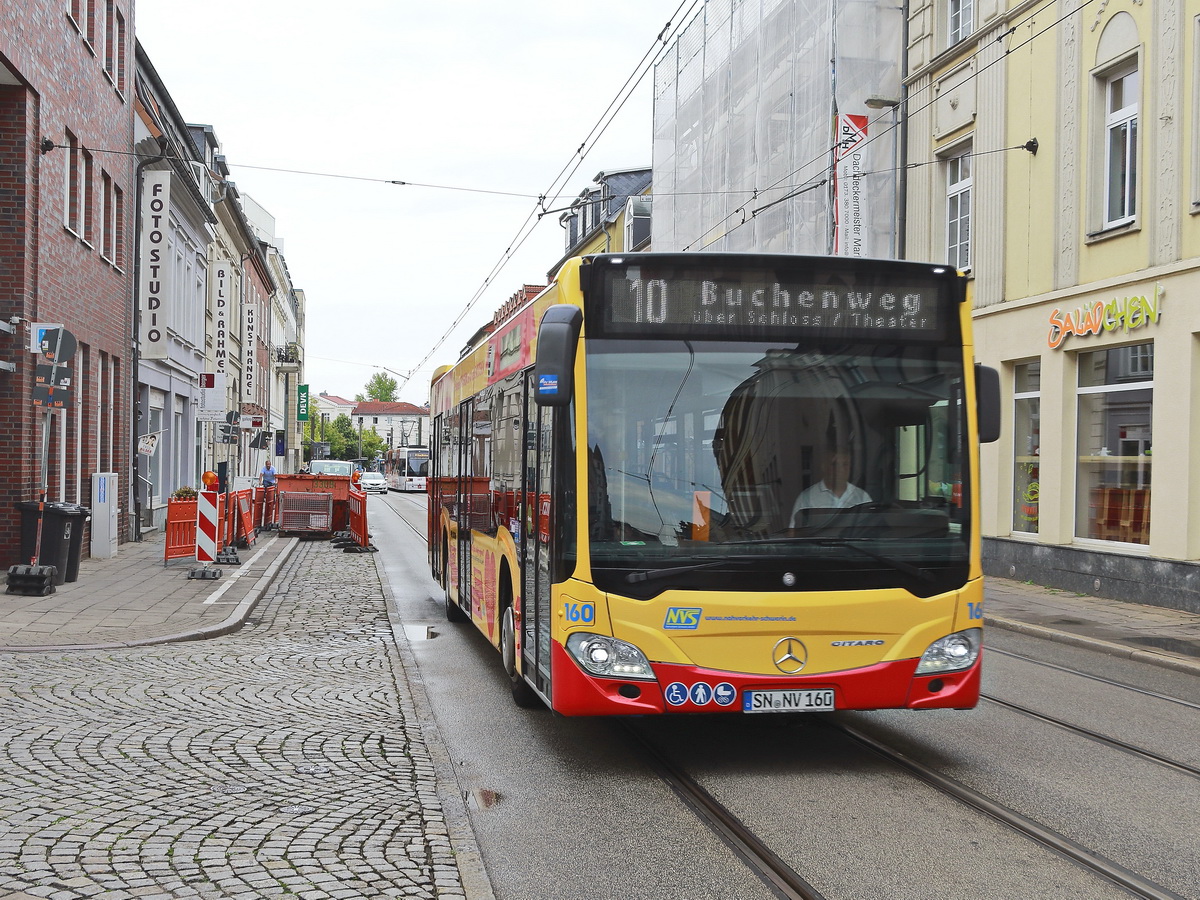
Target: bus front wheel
[(522, 694)]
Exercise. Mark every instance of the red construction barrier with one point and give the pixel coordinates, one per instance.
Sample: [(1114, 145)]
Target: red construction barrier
[(338, 486), (181, 530), (356, 504), (244, 516), (265, 513)]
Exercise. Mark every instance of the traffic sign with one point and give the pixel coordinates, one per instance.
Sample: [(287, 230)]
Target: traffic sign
[(58, 345)]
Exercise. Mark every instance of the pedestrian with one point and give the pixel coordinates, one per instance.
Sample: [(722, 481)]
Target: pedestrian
[(266, 477)]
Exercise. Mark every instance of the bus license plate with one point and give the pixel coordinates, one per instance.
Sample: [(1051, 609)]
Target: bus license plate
[(787, 701)]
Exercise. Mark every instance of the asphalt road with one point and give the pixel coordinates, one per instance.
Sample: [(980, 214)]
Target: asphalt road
[(567, 807)]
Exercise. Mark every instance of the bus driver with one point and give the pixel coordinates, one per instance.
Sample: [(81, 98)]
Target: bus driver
[(834, 490)]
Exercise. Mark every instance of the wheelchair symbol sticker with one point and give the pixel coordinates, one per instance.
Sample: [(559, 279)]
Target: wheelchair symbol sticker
[(676, 694)]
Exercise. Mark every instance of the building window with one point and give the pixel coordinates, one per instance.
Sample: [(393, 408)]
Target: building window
[(958, 210), (1121, 91), (108, 231), (962, 20), (87, 196), (72, 202), (1113, 444), (1027, 394), (118, 227)]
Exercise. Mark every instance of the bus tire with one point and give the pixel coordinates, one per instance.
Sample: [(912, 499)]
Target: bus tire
[(523, 695), (454, 612)]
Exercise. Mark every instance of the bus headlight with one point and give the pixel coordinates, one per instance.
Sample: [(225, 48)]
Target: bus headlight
[(609, 657), (950, 654)]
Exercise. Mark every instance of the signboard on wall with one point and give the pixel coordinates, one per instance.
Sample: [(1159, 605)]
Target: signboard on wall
[(302, 403), (249, 345), (154, 288), (849, 192), (212, 397), (219, 282)]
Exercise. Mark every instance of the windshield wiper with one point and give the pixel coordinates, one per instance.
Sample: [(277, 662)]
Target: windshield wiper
[(898, 564), (667, 571)]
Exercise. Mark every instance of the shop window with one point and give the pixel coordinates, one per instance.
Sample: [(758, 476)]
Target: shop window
[(1113, 444), (1027, 400)]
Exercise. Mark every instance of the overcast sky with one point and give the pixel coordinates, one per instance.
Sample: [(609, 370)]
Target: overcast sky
[(468, 94)]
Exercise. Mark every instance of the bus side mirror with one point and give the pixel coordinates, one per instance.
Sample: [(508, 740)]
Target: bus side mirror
[(554, 370), (987, 403)]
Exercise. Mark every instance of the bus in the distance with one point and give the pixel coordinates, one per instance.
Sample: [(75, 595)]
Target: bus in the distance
[(704, 483), (406, 468)]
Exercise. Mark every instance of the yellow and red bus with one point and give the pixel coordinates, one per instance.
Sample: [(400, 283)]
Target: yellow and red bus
[(703, 483)]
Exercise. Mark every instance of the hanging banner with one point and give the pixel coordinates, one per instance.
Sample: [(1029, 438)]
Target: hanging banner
[(302, 403), (219, 281), (249, 354), (849, 188), (154, 287)]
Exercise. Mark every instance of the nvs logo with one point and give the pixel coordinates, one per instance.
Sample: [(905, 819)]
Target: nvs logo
[(681, 618)]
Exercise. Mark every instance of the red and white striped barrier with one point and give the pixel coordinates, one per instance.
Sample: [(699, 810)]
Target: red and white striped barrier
[(206, 526)]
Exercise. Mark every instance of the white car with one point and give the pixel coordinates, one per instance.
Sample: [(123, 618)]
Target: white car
[(373, 481)]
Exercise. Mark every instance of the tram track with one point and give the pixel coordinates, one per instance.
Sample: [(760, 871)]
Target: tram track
[(785, 882), (414, 504), (1132, 882)]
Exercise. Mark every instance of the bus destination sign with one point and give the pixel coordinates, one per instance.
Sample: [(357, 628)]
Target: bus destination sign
[(757, 303)]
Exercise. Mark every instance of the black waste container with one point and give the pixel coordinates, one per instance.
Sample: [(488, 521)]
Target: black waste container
[(81, 515), (56, 537)]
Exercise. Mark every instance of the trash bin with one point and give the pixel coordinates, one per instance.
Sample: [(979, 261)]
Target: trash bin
[(54, 548), (62, 536), (75, 552)]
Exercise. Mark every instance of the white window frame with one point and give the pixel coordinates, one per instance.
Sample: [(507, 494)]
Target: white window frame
[(1120, 123), (1019, 396), (958, 249), (960, 20)]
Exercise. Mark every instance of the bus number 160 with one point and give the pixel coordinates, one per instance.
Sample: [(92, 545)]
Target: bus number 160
[(580, 613)]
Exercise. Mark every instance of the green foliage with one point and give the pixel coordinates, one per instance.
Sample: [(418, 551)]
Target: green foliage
[(381, 387)]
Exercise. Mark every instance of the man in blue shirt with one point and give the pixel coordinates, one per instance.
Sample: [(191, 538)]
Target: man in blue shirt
[(267, 476)]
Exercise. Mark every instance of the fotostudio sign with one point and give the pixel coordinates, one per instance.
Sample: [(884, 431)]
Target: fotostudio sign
[(154, 288)]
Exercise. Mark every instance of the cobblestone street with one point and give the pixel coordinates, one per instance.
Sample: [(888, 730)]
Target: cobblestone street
[(285, 758)]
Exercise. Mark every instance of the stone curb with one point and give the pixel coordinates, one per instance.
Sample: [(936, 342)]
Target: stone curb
[(1153, 657)]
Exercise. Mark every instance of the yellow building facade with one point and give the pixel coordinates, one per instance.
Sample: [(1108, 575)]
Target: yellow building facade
[(1053, 152)]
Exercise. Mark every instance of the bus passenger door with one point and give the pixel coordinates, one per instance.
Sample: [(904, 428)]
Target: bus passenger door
[(535, 540), (463, 507)]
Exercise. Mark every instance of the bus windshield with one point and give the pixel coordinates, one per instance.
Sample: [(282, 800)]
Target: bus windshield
[(764, 465)]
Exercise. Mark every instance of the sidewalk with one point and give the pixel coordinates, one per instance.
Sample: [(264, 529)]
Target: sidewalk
[(133, 600)]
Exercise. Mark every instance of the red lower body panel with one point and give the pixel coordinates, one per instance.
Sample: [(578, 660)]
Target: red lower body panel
[(689, 689)]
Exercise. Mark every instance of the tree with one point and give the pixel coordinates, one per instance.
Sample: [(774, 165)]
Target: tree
[(381, 387), (343, 439)]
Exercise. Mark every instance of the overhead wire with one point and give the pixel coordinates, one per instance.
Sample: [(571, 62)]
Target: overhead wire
[(568, 170), (904, 102)]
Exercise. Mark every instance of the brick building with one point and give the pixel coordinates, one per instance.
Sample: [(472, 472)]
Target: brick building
[(67, 198)]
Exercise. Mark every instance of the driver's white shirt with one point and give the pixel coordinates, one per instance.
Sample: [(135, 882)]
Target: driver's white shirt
[(821, 497)]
